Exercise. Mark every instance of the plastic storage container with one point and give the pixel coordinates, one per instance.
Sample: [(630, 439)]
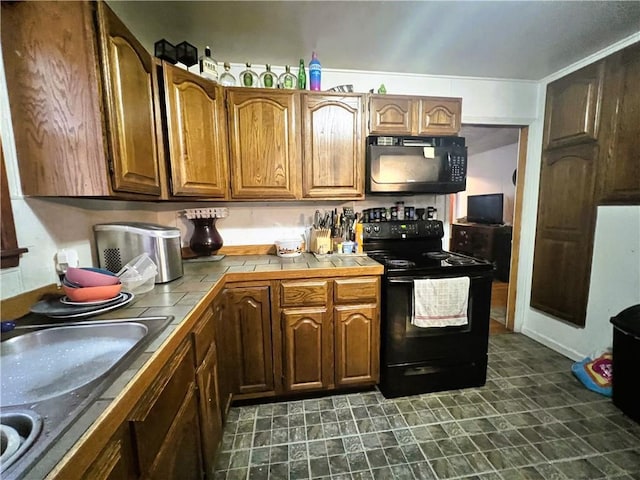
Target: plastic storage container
[(626, 361), (138, 276)]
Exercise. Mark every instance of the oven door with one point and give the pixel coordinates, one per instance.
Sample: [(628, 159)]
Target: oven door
[(405, 343)]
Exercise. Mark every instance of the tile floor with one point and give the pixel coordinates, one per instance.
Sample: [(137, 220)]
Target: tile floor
[(532, 420)]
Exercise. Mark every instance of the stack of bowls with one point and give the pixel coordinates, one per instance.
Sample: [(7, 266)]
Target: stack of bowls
[(89, 284)]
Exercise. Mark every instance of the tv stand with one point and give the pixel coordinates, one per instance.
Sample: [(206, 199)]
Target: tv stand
[(487, 241)]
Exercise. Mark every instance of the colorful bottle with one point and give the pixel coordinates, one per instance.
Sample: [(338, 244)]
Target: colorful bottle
[(315, 71), (249, 78), (287, 80), (208, 66), (227, 79), (302, 76), (268, 79)]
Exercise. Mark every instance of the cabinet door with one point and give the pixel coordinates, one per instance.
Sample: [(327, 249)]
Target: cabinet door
[(197, 131), (620, 167), (211, 422), (264, 144), (564, 233), (250, 318), (225, 348), (390, 115), (357, 331), (572, 113), (116, 461), (180, 457), (333, 147), (439, 116), (130, 99), (308, 349)]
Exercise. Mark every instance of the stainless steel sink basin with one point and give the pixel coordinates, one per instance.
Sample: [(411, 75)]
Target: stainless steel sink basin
[(48, 363), (57, 372), (18, 431)]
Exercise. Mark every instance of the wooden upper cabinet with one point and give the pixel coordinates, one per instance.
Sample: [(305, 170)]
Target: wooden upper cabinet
[(573, 107), (264, 143), (333, 146), (197, 134), (413, 116), (130, 98), (82, 96), (620, 166), (390, 115), (439, 116)]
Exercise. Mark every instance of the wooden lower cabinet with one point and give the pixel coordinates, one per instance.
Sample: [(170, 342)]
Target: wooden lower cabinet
[(249, 319), (308, 349), (357, 344), (116, 461)]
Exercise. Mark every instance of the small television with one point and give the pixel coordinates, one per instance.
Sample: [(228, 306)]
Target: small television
[(485, 208)]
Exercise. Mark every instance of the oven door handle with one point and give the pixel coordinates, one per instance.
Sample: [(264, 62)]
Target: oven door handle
[(409, 280)]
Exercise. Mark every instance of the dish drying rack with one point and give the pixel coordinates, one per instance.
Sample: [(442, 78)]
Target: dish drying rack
[(192, 213)]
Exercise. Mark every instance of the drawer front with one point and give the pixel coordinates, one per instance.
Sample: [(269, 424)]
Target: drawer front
[(362, 289), (203, 335), (304, 293)]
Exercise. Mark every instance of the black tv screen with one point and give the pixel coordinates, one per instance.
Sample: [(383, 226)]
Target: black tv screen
[(485, 208)]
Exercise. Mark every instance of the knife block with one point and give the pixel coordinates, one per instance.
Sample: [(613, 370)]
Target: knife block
[(320, 241)]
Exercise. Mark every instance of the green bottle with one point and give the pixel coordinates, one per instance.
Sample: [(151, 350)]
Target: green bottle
[(302, 76)]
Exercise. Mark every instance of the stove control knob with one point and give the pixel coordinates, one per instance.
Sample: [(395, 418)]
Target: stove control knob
[(367, 229), (376, 228)]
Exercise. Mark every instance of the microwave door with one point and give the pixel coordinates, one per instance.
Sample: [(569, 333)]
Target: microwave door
[(403, 166)]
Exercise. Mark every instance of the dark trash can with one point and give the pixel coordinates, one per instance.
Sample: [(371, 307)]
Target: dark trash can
[(626, 361)]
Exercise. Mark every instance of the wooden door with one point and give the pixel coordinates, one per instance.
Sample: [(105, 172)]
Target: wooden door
[(438, 116), (308, 349), (130, 100), (572, 112), (249, 316), (390, 115), (210, 419), (357, 344), (620, 163), (333, 146), (197, 134), (264, 144), (116, 461), (564, 233), (180, 457)]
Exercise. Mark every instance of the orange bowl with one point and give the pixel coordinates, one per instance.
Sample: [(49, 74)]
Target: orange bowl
[(91, 277), (92, 294)]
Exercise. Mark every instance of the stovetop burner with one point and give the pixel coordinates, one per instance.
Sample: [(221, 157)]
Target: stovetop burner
[(399, 263), (456, 260), (437, 255)]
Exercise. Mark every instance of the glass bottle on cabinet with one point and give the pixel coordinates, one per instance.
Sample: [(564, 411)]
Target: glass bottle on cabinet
[(268, 79), (227, 79), (287, 80), (208, 65), (248, 78)]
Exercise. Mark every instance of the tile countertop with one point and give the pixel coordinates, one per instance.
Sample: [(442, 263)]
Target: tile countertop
[(180, 298)]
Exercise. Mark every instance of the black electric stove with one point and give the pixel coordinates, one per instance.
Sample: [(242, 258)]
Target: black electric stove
[(417, 360)]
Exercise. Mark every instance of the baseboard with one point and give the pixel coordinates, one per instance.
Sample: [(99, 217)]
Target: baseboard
[(552, 344)]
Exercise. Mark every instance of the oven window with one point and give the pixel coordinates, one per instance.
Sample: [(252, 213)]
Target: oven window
[(406, 167)]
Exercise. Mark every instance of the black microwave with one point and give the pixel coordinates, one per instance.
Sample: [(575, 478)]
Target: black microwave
[(410, 165)]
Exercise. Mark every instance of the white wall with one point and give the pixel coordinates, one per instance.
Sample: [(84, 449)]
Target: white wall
[(491, 172), (616, 256)]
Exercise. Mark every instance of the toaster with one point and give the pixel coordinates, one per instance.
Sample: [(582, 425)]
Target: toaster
[(118, 243)]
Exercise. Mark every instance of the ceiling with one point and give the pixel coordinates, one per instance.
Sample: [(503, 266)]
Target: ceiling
[(481, 139), (500, 39)]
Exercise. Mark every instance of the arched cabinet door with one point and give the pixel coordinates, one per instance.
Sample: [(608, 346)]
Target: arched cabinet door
[(439, 116), (333, 146)]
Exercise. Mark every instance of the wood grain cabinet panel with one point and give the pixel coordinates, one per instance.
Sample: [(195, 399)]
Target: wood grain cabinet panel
[(333, 146), (116, 461), (304, 293), (209, 409), (264, 144), (390, 115), (249, 317), (573, 108), (439, 116), (359, 289), (82, 89), (197, 134), (357, 345), (308, 349)]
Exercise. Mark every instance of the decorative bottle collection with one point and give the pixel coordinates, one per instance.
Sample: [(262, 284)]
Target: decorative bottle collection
[(314, 72), (227, 79), (268, 79), (288, 80), (248, 78), (208, 65), (302, 76)]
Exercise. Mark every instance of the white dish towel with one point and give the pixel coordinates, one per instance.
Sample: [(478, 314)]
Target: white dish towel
[(440, 302)]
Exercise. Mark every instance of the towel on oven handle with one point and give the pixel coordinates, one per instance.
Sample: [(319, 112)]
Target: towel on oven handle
[(440, 302)]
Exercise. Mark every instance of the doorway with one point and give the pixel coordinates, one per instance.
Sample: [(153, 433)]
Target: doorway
[(496, 156)]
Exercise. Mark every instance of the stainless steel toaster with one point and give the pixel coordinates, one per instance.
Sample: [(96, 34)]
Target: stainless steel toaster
[(118, 243)]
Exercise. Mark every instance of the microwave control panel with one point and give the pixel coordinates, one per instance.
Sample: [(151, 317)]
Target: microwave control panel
[(458, 167)]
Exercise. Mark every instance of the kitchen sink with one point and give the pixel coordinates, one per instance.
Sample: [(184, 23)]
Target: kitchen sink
[(50, 376)]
